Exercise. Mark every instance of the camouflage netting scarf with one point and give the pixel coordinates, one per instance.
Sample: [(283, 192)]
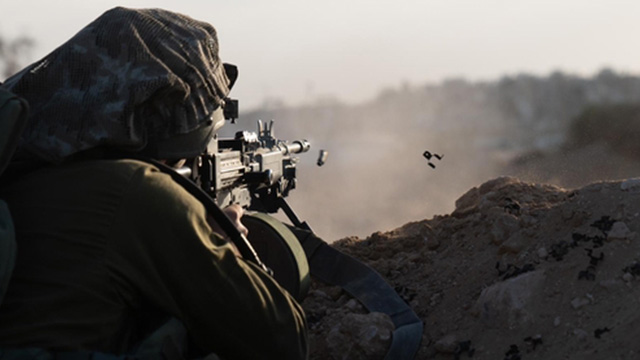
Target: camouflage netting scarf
[(128, 75)]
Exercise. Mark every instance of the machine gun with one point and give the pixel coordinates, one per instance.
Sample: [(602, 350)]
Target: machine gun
[(254, 170), (257, 171)]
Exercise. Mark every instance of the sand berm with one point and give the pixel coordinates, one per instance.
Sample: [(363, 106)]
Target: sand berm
[(517, 271)]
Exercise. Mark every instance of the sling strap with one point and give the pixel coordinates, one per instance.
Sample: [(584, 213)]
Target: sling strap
[(367, 286)]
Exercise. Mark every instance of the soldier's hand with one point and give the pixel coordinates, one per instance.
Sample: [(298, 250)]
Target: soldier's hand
[(233, 212)]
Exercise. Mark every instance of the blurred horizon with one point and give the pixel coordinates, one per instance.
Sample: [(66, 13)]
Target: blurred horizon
[(296, 53)]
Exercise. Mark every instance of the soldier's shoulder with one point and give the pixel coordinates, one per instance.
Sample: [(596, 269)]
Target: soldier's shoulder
[(104, 171), (116, 165)]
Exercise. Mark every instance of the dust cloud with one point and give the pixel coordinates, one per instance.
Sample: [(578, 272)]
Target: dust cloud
[(376, 177)]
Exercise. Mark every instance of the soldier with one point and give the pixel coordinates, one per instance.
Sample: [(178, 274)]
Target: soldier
[(109, 248)]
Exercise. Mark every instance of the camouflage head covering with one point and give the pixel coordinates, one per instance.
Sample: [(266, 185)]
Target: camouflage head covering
[(128, 76)]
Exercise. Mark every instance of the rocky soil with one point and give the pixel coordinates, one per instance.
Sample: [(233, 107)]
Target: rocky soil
[(518, 271)]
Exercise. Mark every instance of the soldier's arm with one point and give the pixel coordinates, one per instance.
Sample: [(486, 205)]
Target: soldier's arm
[(168, 253)]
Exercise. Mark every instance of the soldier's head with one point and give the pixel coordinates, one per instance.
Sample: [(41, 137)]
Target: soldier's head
[(147, 81)]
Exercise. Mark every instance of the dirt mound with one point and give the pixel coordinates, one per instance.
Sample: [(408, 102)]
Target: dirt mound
[(517, 271)]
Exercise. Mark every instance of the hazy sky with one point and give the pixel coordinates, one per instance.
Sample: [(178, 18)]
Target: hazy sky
[(299, 50)]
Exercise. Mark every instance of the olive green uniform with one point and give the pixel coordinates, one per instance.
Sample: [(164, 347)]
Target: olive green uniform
[(108, 249)]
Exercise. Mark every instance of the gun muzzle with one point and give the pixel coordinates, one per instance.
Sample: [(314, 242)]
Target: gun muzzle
[(296, 147)]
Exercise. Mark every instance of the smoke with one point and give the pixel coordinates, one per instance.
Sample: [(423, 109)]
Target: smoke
[(376, 177)]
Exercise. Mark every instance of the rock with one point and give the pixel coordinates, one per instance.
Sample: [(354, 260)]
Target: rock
[(567, 213), (619, 231), (581, 334), (334, 293), (611, 284), (503, 227), (579, 302), (360, 336), (432, 242), (319, 293), (507, 304), (419, 234), (352, 305), (630, 184), (513, 245), (543, 253), (447, 344), (435, 299)]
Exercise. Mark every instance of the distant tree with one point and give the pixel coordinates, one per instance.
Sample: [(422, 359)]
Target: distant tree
[(14, 54), (617, 125)]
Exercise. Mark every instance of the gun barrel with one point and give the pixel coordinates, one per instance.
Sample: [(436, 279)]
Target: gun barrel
[(296, 147)]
